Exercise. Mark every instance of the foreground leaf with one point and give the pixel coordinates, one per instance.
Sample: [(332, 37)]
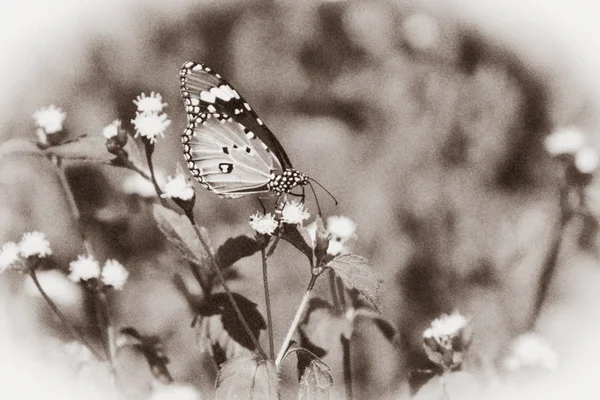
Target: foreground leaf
[(316, 380), (234, 249), (248, 378), (178, 229), (356, 273), (299, 238), (151, 347), (321, 329)]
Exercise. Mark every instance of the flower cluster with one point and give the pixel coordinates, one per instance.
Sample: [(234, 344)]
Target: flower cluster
[(446, 340), (179, 186), (149, 121), (49, 120), (33, 245), (531, 351), (264, 224), (571, 142), (340, 230), (86, 268)]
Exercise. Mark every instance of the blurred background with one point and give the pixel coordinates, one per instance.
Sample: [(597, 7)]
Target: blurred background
[(426, 119)]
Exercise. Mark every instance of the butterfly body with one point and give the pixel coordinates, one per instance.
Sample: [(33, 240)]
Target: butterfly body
[(226, 145)]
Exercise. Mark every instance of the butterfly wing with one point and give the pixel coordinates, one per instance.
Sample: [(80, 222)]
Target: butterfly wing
[(205, 91), (226, 157)]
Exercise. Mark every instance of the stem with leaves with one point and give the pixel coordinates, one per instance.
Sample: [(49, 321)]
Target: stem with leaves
[(288, 337), (267, 302)]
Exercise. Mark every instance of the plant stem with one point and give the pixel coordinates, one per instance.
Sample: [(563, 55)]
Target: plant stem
[(334, 292), (267, 302), (149, 149), (347, 367), (296, 321), (219, 274), (75, 334), (103, 313)]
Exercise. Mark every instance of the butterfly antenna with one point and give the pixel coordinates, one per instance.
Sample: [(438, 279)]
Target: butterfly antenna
[(326, 191), (316, 198)]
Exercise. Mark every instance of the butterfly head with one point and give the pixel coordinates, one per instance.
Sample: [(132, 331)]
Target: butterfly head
[(287, 180)]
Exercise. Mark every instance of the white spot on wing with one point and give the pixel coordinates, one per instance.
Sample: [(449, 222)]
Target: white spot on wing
[(218, 92), (259, 121)]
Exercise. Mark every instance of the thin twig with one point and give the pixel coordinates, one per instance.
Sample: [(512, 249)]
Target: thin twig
[(75, 334), (347, 367), (267, 303), (334, 292), (288, 337), (219, 274), (107, 326), (153, 176)]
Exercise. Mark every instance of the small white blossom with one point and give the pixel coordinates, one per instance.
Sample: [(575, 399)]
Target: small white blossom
[(114, 274), (134, 183), (50, 119), (586, 160), (178, 186), (531, 351), (340, 227), (9, 256), (265, 224), (112, 130), (150, 104), (175, 392), (564, 141), (34, 244), (84, 268), (294, 213), (150, 125), (446, 326)]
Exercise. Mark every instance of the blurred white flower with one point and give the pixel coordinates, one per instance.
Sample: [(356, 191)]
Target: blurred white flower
[(586, 160), (114, 274), (56, 285), (531, 351), (112, 130), (134, 183), (150, 104), (34, 244), (265, 224), (150, 125), (179, 186), (175, 392), (84, 268), (564, 141), (50, 119), (294, 213), (340, 227), (336, 247), (9, 256), (446, 326)]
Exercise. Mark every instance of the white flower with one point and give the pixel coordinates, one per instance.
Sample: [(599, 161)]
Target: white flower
[(446, 326), (112, 130), (84, 268), (50, 119), (586, 160), (151, 104), (265, 224), (134, 183), (34, 244), (175, 392), (9, 255), (336, 247), (564, 141), (294, 213), (114, 274), (150, 125), (340, 227), (178, 186), (531, 351)]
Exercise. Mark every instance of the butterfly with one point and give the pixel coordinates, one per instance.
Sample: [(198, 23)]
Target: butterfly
[(227, 147)]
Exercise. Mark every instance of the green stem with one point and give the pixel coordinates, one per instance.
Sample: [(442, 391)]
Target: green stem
[(153, 176), (347, 367), (108, 330), (267, 302), (75, 334)]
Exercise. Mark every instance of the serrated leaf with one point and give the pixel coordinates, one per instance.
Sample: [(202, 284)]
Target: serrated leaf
[(298, 237), (316, 381), (84, 148), (235, 249), (248, 378), (178, 229), (18, 146), (356, 273), (321, 329)]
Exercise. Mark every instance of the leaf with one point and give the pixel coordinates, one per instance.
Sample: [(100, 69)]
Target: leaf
[(388, 329), (298, 237), (212, 334), (151, 347), (235, 249), (248, 378), (356, 273), (18, 146), (321, 328), (178, 229), (316, 380), (84, 148)]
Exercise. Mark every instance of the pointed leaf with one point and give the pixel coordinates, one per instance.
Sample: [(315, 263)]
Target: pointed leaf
[(248, 378), (388, 329), (235, 249), (298, 237), (316, 381), (83, 148), (356, 273), (178, 229)]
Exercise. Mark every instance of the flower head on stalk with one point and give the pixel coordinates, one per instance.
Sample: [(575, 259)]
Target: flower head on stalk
[(179, 186), (264, 224), (149, 104), (114, 274), (294, 212), (149, 121), (84, 268), (48, 120), (446, 340), (34, 244), (340, 230)]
